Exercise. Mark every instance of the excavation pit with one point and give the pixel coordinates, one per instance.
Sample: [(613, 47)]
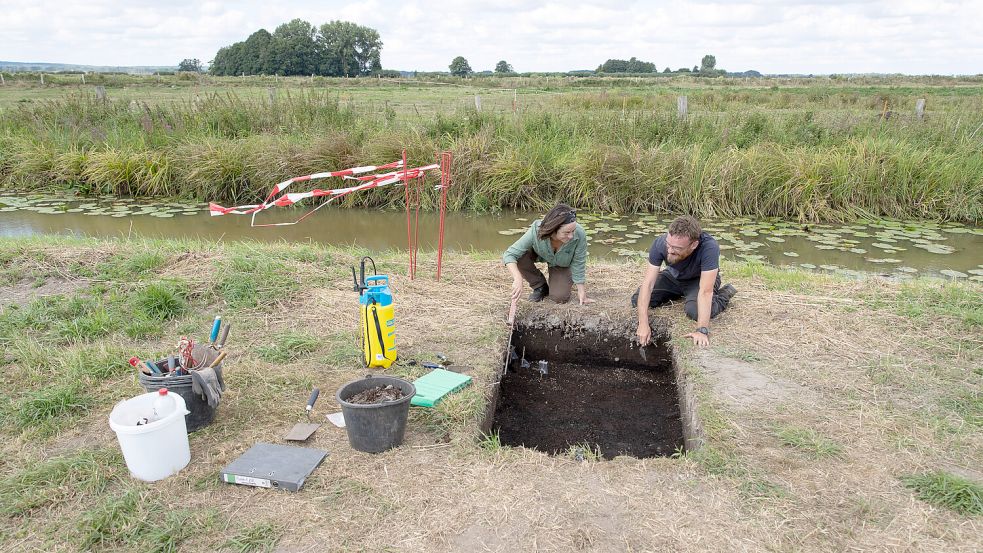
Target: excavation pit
[(599, 390)]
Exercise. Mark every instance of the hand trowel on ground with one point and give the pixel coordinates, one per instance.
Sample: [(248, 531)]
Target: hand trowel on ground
[(301, 431)]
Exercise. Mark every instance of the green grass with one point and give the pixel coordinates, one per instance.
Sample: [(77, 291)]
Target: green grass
[(288, 346), (246, 282), (947, 490), (762, 488), (162, 301), (83, 473), (490, 442), (968, 405), (137, 520), (948, 299), (808, 441), (52, 406), (259, 537)]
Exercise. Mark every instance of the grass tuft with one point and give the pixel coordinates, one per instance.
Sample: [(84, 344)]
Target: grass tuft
[(162, 301), (261, 537), (136, 521), (947, 490), (809, 442), (40, 408), (86, 472), (289, 346)]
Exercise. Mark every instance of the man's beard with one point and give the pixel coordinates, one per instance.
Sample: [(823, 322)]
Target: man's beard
[(676, 258)]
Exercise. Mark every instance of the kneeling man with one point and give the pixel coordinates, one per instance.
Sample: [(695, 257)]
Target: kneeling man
[(692, 271)]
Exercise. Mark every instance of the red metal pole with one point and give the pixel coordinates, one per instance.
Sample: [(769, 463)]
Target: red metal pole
[(445, 180), (409, 232)]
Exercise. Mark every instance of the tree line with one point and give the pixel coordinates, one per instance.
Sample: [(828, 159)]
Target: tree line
[(708, 67), (335, 49)]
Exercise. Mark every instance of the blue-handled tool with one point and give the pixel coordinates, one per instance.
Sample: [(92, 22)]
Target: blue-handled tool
[(215, 326)]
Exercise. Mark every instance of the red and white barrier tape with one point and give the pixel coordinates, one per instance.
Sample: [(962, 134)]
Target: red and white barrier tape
[(368, 181)]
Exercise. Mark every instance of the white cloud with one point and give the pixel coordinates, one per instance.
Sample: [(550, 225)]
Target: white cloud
[(800, 36)]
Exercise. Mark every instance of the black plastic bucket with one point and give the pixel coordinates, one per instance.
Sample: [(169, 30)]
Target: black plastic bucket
[(376, 427), (201, 413)]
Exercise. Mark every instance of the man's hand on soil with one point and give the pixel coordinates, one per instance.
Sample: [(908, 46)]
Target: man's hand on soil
[(699, 338), (644, 334)]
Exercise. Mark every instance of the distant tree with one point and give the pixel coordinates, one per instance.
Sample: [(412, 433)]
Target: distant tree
[(683, 70), (349, 50), (709, 63), (193, 65), (293, 50), (503, 67), (695, 69), (634, 65), (460, 67), (338, 48), (256, 54), (667, 70)]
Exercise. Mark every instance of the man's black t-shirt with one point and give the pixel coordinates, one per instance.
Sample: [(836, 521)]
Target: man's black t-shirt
[(706, 257)]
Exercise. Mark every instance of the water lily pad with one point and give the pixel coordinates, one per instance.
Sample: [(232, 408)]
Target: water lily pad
[(790, 254), (882, 260), (825, 247), (953, 274), (907, 269), (942, 249), (809, 266), (978, 272), (774, 239), (976, 278), (162, 215), (830, 267), (860, 251)]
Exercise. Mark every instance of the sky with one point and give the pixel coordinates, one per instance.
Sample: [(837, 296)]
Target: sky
[(770, 36)]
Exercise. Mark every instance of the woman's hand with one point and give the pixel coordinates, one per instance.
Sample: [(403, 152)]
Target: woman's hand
[(582, 295), (516, 288)]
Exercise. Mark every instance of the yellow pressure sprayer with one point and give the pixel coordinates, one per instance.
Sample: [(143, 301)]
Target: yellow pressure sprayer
[(377, 315)]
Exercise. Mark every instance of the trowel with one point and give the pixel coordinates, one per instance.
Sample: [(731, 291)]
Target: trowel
[(303, 430)]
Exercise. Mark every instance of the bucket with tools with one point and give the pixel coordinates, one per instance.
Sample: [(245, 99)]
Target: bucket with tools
[(195, 374)]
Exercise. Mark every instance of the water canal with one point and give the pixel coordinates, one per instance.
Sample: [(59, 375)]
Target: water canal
[(882, 246)]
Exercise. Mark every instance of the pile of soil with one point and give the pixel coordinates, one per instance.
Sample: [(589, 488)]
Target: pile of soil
[(379, 394)]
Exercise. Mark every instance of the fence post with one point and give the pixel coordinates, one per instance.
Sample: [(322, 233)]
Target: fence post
[(100, 93), (477, 103), (83, 79), (42, 78), (682, 107), (272, 93), (920, 108), (2, 82)]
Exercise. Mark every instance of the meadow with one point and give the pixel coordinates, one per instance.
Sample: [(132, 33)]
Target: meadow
[(821, 149)]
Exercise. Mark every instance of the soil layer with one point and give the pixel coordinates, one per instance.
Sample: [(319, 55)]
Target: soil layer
[(598, 391)]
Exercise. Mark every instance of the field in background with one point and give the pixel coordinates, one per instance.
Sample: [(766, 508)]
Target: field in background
[(807, 149)]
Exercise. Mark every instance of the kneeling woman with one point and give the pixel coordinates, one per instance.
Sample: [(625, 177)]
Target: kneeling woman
[(560, 242)]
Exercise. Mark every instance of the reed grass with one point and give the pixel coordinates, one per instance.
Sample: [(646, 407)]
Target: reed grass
[(808, 153)]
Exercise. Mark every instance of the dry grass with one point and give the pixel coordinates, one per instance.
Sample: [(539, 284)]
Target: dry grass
[(833, 359)]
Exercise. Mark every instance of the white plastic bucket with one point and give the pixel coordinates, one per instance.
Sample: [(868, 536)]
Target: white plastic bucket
[(155, 450)]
